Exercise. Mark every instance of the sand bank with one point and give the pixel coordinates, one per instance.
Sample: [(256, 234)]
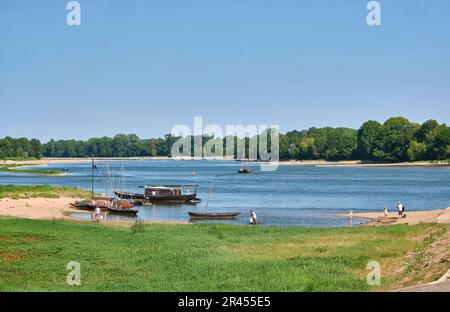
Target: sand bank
[(412, 217), (358, 163), (48, 161), (54, 209)]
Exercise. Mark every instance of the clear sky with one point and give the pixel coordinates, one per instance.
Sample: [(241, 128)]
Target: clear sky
[(144, 66)]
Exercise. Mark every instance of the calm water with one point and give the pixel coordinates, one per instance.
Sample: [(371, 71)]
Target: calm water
[(292, 195)]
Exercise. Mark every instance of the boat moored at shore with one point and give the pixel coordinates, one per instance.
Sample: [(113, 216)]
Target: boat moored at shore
[(163, 194)]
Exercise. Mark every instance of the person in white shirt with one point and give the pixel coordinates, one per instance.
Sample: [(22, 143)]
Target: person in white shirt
[(97, 213), (400, 209), (252, 217)]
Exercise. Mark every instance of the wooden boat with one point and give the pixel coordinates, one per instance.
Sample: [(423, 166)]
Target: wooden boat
[(101, 202), (213, 215), (118, 209), (245, 170), (163, 193)]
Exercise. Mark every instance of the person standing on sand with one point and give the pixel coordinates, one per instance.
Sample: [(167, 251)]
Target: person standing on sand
[(400, 209), (385, 211), (97, 213)]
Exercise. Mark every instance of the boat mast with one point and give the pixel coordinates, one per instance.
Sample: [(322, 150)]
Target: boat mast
[(121, 180), (209, 196), (106, 179), (92, 182)]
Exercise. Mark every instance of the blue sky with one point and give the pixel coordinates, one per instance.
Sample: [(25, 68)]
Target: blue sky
[(144, 66)]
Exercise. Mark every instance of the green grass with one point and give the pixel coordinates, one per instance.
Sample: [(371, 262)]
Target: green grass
[(15, 169), (201, 257), (41, 191)]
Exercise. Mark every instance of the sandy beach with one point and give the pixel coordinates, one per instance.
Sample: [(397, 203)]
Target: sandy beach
[(54, 209), (357, 163), (48, 161), (36, 208), (412, 217)]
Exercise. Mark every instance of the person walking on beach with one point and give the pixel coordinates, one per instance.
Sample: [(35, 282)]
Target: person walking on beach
[(252, 217), (400, 209), (97, 213), (385, 211)]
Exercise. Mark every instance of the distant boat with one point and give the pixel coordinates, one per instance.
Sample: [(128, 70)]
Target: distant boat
[(244, 170), (213, 215)]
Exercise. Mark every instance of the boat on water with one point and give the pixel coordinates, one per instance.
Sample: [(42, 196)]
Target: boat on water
[(244, 170), (213, 215), (100, 202), (163, 194), (122, 207), (105, 203)]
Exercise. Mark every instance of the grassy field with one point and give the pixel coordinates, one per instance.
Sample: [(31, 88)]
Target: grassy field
[(211, 257), (41, 191), (15, 169)]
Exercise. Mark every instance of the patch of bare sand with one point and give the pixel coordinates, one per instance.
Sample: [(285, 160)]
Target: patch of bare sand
[(412, 217), (48, 161), (36, 208), (57, 209)]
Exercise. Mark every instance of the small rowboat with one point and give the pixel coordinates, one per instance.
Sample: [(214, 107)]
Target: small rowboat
[(245, 170), (213, 215)]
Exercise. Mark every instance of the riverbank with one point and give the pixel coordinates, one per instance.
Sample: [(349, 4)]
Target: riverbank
[(359, 163), (49, 161), (18, 168), (45, 202), (440, 216)]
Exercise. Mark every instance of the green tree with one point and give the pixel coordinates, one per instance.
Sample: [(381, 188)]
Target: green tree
[(416, 151), (369, 140), (397, 135)]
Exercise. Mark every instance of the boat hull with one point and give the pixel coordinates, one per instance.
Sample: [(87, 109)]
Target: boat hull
[(216, 216), (123, 211), (141, 198)]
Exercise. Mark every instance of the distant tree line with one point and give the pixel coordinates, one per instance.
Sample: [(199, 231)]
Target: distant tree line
[(21, 147), (395, 140)]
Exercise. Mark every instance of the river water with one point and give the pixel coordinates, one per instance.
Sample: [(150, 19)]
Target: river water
[(293, 195)]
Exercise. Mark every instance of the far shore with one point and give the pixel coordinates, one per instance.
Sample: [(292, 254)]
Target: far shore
[(318, 163)]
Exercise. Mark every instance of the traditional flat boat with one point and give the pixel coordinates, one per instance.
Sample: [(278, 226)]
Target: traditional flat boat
[(123, 207), (213, 215), (101, 202), (163, 194)]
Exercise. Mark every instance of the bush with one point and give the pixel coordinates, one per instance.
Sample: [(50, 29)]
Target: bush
[(137, 227)]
